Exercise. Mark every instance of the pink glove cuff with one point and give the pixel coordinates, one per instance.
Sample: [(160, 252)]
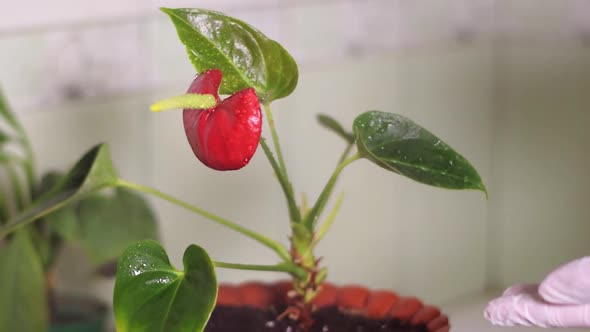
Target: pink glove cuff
[(529, 309), (569, 284)]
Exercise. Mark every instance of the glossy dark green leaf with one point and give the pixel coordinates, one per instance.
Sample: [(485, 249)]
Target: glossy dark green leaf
[(152, 296), (91, 173), (246, 57), (22, 286), (333, 125), (398, 144), (111, 223)]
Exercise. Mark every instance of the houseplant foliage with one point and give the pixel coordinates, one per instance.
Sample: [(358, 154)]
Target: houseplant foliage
[(234, 59), (39, 215)]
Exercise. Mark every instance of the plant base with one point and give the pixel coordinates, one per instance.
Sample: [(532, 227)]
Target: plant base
[(249, 319), (255, 306)]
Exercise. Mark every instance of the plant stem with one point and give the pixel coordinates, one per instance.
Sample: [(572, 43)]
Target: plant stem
[(289, 268), (294, 212), (289, 193), (328, 222), (318, 207), (345, 153), (275, 246), (275, 138)]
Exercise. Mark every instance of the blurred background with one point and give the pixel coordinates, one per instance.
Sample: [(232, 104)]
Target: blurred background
[(504, 82)]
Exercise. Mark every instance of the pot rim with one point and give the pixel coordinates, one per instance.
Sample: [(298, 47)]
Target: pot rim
[(353, 299)]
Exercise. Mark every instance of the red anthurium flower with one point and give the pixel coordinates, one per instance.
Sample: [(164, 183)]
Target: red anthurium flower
[(225, 136)]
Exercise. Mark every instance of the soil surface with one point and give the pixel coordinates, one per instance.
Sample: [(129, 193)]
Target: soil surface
[(329, 319)]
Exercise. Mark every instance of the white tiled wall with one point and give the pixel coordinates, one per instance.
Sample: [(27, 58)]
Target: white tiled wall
[(502, 81)]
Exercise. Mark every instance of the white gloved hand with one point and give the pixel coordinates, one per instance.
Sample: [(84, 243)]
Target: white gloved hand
[(561, 300)]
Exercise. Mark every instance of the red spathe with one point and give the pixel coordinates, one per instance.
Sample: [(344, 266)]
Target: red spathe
[(224, 137)]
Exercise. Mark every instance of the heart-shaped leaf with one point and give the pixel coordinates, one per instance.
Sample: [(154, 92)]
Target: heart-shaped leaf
[(111, 223), (245, 55), (152, 296), (22, 286), (93, 172), (330, 123), (398, 144)]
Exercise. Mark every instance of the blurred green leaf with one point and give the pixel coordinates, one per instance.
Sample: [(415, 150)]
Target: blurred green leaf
[(109, 224), (7, 115), (48, 182), (152, 296), (94, 171), (245, 55), (22, 287), (64, 221), (330, 123), (399, 145), (16, 194)]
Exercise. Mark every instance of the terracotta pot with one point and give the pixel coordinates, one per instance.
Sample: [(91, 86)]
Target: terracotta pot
[(353, 300), (79, 314)]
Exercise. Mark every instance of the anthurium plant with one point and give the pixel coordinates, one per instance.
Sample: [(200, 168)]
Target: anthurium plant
[(40, 214), (250, 70)]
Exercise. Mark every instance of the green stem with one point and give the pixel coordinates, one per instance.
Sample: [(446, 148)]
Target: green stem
[(345, 153), (318, 207), (189, 100), (289, 268), (294, 212), (328, 222), (275, 139), (275, 246)]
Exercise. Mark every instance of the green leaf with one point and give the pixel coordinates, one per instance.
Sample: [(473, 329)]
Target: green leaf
[(152, 296), (94, 171), (13, 138), (64, 221), (7, 115), (246, 57), (333, 125), (109, 224), (22, 287), (48, 183), (398, 144)]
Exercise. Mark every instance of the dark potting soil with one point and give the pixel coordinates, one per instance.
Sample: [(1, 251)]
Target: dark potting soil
[(330, 319)]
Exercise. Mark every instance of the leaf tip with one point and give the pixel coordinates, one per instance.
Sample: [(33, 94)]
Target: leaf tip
[(483, 188)]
